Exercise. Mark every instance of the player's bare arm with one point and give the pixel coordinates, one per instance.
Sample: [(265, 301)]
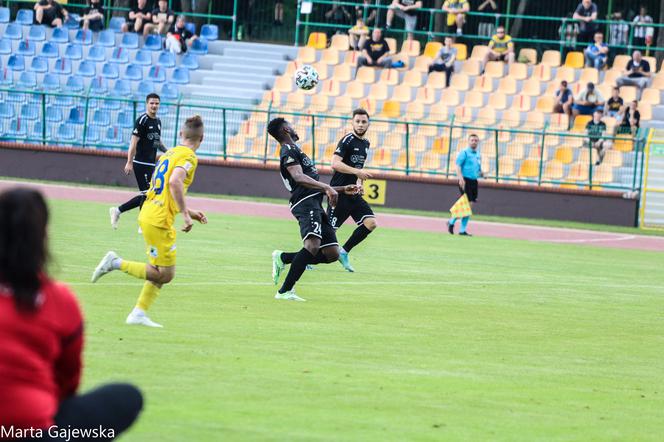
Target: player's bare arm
[(300, 178), (176, 187), (462, 182), (131, 153), (339, 166)]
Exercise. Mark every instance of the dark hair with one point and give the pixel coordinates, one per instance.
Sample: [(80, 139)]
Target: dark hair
[(151, 96), (473, 135), (193, 128), (360, 111), (23, 249), (274, 127)]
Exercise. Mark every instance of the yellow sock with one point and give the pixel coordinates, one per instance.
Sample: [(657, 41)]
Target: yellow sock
[(135, 269), (148, 296)]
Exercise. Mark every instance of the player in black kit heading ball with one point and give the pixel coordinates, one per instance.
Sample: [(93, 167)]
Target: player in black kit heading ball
[(348, 164), (301, 178), (142, 155)]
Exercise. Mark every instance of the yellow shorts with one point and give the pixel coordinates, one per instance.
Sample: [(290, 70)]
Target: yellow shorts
[(451, 18), (160, 244)]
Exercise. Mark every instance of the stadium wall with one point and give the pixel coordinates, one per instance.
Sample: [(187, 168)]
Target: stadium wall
[(250, 179)]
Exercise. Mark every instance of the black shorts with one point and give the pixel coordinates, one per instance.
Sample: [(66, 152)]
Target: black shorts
[(143, 173), (349, 205), (314, 221), (470, 190)]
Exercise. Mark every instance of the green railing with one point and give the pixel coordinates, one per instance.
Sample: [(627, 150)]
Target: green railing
[(537, 26), (238, 132)]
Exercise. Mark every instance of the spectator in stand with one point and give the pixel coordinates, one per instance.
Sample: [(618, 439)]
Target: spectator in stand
[(338, 15), (501, 48), (630, 119), (487, 28), (456, 15), (597, 53), (41, 336), (179, 38), (375, 52), (637, 73), (586, 13), (595, 129), (643, 34), (588, 101), (140, 14), (406, 9), (614, 105), (93, 16), (279, 12), (357, 35), (162, 20), (564, 100), (366, 13), (444, 61), (618, 34), (50, 13)]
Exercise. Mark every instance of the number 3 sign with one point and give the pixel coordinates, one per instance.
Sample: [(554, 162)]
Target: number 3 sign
[(374, 191)]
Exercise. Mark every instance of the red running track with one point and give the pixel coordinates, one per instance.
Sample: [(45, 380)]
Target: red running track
[(408, 222)]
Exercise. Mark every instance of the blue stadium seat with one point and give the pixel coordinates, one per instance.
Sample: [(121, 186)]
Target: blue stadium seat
[(99, 86), (190, 61), (39, 65), (6, 111), (101, 118), (60, 35), (143, 57), (120, 55), (73, 21), (50, 50), (30, 112), (75, 84), (106, 38), (27, 80), (62, 66), (191, 27), (51, 82), (129, 40), (87, 68), (110, 71), (66, 132), (54, 114), (97, 54), (16, 63), (4, 15), (145, 87), (17, 97), (126, 119), (199, 46), (25, 17), (26, 48), (122, 88), (37, 132), (113, 105), (6, 77), (17, 129), (113, 137), (5, 47), (153, 42), (166, 60), (74, 51), (14, 31), (116, 24), (37, 33), (76, 116), (133, 72), (210, 32), (83, 37), (180, 76), (157, 74), (170, 91), (93, 134)]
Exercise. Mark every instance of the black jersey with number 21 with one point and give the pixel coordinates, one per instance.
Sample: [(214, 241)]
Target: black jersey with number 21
[(291, 155), (353, 152)]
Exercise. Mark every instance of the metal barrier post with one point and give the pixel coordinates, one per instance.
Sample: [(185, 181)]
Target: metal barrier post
[(407, 149), (85, 119), (590, 165), (449, 148), (177, 121), (43, 104), (223, 117), (234, 19), (267, 114), (541, 164), (496, 146), (297, 22)]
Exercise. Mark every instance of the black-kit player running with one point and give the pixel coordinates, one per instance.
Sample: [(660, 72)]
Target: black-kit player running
[(301, 178), (142, 155), (348, 164)]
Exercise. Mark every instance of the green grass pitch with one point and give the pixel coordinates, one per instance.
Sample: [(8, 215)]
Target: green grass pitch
[(434, 338)]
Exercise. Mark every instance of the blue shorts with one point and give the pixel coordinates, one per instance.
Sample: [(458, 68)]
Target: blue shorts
[(586, 110)]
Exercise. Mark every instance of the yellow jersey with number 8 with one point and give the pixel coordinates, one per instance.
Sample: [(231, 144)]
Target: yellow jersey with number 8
[(159, 208)]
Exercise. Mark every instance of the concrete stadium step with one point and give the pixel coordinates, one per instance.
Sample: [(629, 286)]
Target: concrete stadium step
[(247, 96), (241, 66), (262, 55), (221, 45), (246, 83)]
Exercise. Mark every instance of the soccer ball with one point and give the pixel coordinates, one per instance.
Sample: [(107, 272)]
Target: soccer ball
[(306, 78)]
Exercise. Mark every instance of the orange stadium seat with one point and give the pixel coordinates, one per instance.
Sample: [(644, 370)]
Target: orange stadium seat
[(652, 61), (589, 75), (378, 91), (355, 89), (425, 95), (292, 67), (431, 49), (331, 88), (542, 72), (564, 154), (574, 60), (438, 112), (306, 55), (460, 82), (391, 109), (382, 158), (472, 67), (559, 122), (342, 72), (417, 143), (342, 105), (462, 51), (551, 58), (528, 54), (365, 74), (402, 93), (518, 71), (409, 161), (553, 171), (646, 111), (498, 101), (436, 80), (493, 69), (534, 120), (369, 104), (529, 168), (521, 103), (650, 96), (392, 44), (483, 84), (479, 51), (295, 101), (270, 99), (623, 143), (422, 63), (620, 62), (545, 104), (450, 97), (512, 119), (431, 161), (532, 87), (507, 86), (578, 172), (412, 78), (463, 114), (603, 89), (613, 157), (317, 40), (486, 117), (584, 155), (441, 145), (505, 166), (565, 73), (603, 174), (414, 111), (330, 56), (628, 93), (580, 123), (411, 48), (340, 42), (389, 77), (351, 58), (610, 77), (320, 103), (283, 84), (474, 99)]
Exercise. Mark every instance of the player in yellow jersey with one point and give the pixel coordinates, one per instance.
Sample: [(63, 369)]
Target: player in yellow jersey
[(173, 175), (501, 48)]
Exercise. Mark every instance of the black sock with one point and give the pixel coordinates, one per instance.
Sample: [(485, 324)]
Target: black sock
[(132, 203), (357, 237), (297, 268), (287, 257), (320, 258)]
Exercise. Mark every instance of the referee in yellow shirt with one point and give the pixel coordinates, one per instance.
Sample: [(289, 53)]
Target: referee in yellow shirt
[(501, 48), (173, 175)]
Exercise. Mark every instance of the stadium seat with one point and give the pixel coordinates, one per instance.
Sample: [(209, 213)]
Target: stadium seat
[(497, 101), (4, 15), (392, 44), (92, 134), (355, 89), (50, 50), (133, 72), (623, 143), (96, 54), (589, 75), (366, 74), (116, 99), (39, 65), (402, 93), (157, 74), (191, 27), (99, 86), (462, 51), (122, 88), (450, 97), (16, 63), (27, 80), (129, 41), (76, 116), (145, 87), (317, 40), (62, 66), (73, 21), (5, 47), (650, 96), (422, 64), (37, 33), (473, 68), (474, 99), (210, 32), (106, 38), (190, 61), (54, 114), (18, 129), (30, 111), (518, 71), (389, 77), (143, 58), (199, 47), (25, 17), (83, 37), (527, 56), (13, 31), (580, 122), (545, 104), (166, 59), (378, 91), (574, 60), (529, 168), (532, 87), (306, 55), (6, 110), (75, 84), (460, 82), (74, 51), (431, 49), (66, 132), (116, 24), (463, 114), (295, 101), (153, 42), (411, 48), (551, 58), (330, 56), (110, 71), (507, 86), (478, 53), (120, 55), (51, 82), (565, 73), (319, 104), (628, 93), (170, 91), (484, 84), (494, 69), (330, 88), (436, 80), (340, 42), (126, 119), (60, 35), (26, 48), (486, 116), (412, 78), (425, 95), (101, 118)]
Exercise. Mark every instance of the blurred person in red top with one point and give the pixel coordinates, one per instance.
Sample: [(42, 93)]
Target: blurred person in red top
[(41, 341)]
